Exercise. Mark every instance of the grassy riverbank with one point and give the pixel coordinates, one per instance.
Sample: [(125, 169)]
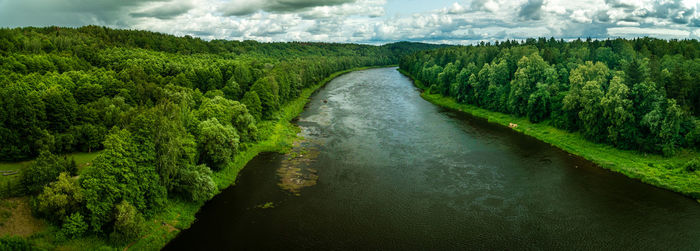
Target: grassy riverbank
[(277, 136), (664, 172)]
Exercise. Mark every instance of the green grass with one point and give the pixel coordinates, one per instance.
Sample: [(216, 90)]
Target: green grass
[(81, 159), (663, 172), (14, 165), (277, 136)]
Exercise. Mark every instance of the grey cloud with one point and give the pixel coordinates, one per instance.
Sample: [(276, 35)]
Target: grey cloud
[(68, 12), (293, 5), (200, 33), (579, 30), (167, 11), (478, 4), (695, 22), (602, 16), (323, 27), (245, 7), (618, 4), (531, 10), (265, 33), (462, 22), (672, 10)]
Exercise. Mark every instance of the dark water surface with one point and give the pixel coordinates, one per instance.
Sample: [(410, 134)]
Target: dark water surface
[(396, 172)]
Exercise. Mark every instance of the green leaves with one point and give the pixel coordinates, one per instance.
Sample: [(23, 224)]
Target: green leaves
[(531, 70), (252, 102), (128, 223), (44, 170), (116, 176), (195, 183), (617, 110), (268, 92), (74, 226), (217, 143), (637, 94), (61, 198), (229, 112), (591, 111), (539, 104)]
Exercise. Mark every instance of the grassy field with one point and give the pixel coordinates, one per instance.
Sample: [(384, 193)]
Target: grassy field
[(277, 136), (81, 159), (7, 181), (664, 172)]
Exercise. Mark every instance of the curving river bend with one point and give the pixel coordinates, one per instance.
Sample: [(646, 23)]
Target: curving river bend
[(381, 168)]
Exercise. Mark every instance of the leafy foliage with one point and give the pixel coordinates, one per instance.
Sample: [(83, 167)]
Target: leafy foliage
[(61, 89), (128, 223), (44, 170), (14, 243), (74, 226), (162, 109), (633, 94), (218, 143), (692, 165), (252, 102), (195, 183), (116, 176), (60, 198)]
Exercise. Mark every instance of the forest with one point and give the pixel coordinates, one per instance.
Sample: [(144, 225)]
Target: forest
[(640, 94), (164, 113)]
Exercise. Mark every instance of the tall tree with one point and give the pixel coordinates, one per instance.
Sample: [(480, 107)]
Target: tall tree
[(591, 111), (531, 70), (115, 176), (539, 104), (217, 143), (617, 109)]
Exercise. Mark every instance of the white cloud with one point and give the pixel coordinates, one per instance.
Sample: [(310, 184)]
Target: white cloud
[(626, 23), (365, 21), (580, 16)]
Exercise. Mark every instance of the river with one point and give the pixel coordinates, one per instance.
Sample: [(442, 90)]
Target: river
[(381, 168)]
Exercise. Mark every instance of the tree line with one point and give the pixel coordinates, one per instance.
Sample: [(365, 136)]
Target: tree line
[(165, 112), (639, 94)]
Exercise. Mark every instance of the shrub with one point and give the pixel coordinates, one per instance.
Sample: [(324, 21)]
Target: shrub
[(195, 183), (692, 165), (217, 143), (117, 175), (128, 223), (60, 198), (14, 243), (252, 102), (74, 226), (45, 170)]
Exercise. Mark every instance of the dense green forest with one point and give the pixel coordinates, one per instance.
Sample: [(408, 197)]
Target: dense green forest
[(641, 94), (165, 112)]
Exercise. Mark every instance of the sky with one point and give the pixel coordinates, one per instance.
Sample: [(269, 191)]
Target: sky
[(370, 21)]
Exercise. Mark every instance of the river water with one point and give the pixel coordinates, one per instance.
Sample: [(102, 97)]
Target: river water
[(381, 168)]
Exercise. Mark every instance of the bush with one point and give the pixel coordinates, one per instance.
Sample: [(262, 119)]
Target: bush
[(692, 165), (217, 143), (128, 223), (252, 102), (11, 188), (14, 243), (45, 170), (74, 226), (195, 183), (60, 199)]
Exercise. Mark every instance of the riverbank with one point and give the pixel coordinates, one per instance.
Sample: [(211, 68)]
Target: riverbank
[(177, 215), (664, 172)]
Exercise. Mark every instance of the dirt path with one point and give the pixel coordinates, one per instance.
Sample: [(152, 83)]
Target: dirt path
[(16, 218)]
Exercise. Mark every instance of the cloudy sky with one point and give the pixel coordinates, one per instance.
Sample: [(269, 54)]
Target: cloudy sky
[(370, 21)]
